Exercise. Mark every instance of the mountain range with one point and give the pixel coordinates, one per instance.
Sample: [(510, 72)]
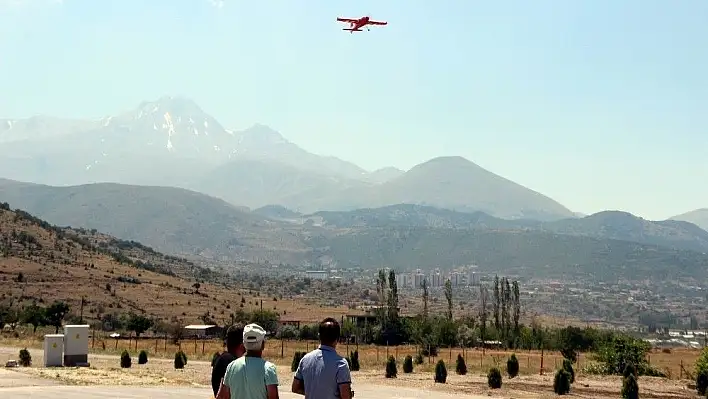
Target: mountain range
[(173, 177), (173, 142), (607, 245)]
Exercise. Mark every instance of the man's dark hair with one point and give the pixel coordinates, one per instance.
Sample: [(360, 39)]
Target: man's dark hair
[(234, 337), (329, 331)]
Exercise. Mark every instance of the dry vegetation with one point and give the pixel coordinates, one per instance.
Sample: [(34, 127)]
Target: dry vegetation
[(66, 264)]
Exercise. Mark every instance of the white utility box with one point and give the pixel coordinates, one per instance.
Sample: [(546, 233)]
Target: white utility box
[(76, 339), (53, 350)]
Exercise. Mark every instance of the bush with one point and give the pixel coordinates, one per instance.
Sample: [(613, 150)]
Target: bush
[(440, 372), (568, 366), (408, 364), (391, 367), (180, 360), (296, 360), (460, 367), (419, 358), (702, 372), (702, 382), (512, 366), (125, 360), (355, 361), (561, 383), (142, 357), (494, 378), (25, 358), (214, 358), (184, 357), (630, 388)]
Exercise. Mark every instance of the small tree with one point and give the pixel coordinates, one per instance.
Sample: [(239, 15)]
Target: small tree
[(125, 360), (512, 366), (391, 367), (460, 367), (494, 378), (180, 360), (408, 364), (630, 369), (419, 358), (568, 366), (355, 361), (561, 383), (142, 357), (630, 388), (25, 358), (296, 360), (440, 372)]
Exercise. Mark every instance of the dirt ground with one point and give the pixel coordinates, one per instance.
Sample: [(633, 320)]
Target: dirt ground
[(105, 370)]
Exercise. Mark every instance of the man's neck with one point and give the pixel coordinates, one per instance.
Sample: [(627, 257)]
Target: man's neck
[(330, 346)]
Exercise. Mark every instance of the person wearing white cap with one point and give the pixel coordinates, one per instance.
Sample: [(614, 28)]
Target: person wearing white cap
[(250, 376)]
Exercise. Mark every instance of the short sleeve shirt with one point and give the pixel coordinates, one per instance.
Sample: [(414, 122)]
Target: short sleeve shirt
[(247, 377), (322, 371)]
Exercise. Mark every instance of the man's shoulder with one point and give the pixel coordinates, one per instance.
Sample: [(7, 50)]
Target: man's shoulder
[(269, 365)]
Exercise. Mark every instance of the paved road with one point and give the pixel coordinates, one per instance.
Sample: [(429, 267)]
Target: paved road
[(11, 379), (123, 392)]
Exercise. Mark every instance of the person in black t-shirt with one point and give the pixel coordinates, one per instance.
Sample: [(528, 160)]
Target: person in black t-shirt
[(234, 350)]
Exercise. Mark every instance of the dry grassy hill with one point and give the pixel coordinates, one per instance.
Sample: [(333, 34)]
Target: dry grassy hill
[(43, 263)]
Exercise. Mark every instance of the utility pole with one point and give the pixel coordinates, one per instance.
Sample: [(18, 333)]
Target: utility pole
[(81, 312)]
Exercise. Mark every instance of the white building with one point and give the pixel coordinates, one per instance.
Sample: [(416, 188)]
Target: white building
[(317, 274)]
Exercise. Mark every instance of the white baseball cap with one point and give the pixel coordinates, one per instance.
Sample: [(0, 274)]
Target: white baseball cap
[(253, 336)]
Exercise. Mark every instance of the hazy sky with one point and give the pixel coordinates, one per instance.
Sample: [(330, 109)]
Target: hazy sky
[(600, 104)]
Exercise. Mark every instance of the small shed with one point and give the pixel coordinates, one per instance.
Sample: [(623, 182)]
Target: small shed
[(202, 331)]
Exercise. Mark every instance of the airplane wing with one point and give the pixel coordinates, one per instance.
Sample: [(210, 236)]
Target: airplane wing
[(346, 20), (377, 23)]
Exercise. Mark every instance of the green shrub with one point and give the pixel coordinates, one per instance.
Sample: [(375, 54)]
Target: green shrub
[(142, 357), (440, 372), (184, 357), (391, 367), (296, 360), (125, 360), (561, 383), (180, 360), (512, 366), (25, 358), (214, 358), (568, 366), (355, 361), (408, 364), (460, 366), (419, 358), (494, 378), (630, 388)]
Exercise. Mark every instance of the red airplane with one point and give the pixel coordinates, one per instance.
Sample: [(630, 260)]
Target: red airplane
[(355, 25)]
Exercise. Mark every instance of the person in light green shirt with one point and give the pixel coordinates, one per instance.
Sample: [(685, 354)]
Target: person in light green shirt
[(250, 376)]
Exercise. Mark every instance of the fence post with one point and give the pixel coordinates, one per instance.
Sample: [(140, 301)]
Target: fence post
[(282, 348), (203, 343), (156, 340), (450, 354), (541, 372)]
